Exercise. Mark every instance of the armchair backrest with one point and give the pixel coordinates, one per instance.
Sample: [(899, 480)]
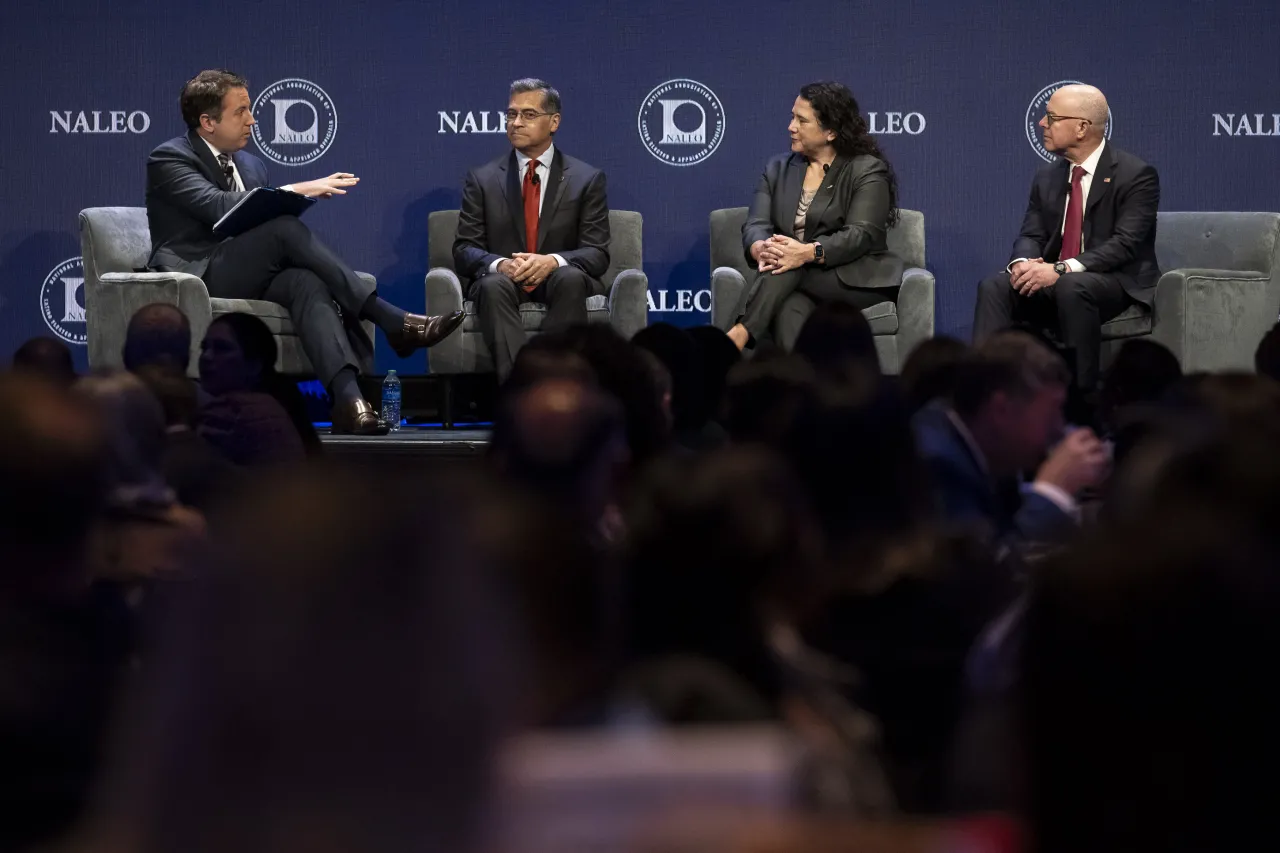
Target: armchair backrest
[(113, 239), (1218, 241), (906, 239), (626, 228)]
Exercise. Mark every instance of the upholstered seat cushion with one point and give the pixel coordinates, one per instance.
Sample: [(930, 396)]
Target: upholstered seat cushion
[(275, 315), (533, 313), (883, 318), (1129, 323)]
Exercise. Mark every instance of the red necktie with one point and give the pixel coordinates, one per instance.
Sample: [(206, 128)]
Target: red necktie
[(531, 205), (1073, 228)]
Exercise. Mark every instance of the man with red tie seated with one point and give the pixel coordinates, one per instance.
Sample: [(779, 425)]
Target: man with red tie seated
[(534, 227), (1087, 247)]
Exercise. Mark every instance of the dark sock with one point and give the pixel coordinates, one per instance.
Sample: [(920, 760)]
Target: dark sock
[(384, 315), (344, 388)]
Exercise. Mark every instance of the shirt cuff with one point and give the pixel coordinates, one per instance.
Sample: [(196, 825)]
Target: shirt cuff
[(1074, 265), (560, 261), (493, 267), (1009, 269), (1057, 497)]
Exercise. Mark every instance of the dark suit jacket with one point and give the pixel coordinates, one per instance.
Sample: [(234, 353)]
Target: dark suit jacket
[(1119, 220), (574, 222), (849, 216), (186, 195), (966, 494)]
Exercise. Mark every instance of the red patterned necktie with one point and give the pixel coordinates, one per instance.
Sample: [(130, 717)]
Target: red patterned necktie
[(1073, 228), (531, 205)]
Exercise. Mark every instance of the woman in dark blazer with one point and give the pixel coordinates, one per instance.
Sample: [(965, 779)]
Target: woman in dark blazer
[(818, 222)]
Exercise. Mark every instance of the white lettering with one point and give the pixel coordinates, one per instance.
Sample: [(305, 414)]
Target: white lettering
[(1221, 123), (684, 300), (871, 123), (445, 119), (64, 119), (1260, 130), (146, 121), (895, 122), (117, 121), (81, 125), (1243, 129), (697, 301), (469, 124), (649, 296), (916, 120), (73, 311)]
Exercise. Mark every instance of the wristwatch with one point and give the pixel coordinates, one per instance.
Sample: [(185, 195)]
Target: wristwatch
[(1061, 268), (818, 253)]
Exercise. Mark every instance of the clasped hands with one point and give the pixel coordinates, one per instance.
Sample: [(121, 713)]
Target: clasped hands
[(1032, 275), (528, 270), (781, 253)]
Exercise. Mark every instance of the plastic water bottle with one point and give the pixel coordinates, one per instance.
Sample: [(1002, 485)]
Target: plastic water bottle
[(391, 400)]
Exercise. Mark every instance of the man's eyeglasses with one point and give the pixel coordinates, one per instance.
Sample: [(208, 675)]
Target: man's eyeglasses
[(1050, 118), (527, 115)]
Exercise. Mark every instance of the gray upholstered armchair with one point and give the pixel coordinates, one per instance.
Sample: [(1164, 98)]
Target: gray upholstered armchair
[(115, 243), (626, 307), (898, 326), (1219, 295)]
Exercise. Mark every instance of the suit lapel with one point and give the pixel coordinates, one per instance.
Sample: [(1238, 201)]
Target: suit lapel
[(1099, 187), (247, 175), (555, 192), (822, 200), (789, 194), (205, 155), (515, 199), (1056, 207)]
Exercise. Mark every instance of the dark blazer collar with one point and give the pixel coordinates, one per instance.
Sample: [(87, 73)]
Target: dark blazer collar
[(822, 200), (205, 155), (790, 187), (515, 193), (1101, 183)]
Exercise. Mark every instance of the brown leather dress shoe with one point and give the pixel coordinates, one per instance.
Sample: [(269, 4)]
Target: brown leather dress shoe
[(358, 418), (420, 331)]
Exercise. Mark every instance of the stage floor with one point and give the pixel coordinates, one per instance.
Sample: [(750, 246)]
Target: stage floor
[(412, 451)]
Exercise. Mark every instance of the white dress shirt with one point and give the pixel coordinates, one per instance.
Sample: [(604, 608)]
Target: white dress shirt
[(235, 173), (543, 171), (1090, 166)]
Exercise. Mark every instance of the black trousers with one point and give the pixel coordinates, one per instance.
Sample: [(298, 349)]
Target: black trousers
[(498, 300), (1073, 311), (769, 293), (281, 261)]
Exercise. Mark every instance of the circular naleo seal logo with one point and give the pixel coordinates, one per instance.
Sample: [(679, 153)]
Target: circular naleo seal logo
[(681, 122), (296, 121), (1036, 109), (62, 301)]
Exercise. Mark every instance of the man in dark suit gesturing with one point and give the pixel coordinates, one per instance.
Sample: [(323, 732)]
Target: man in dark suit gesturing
[(534, 226), (1087, 247), (193, 180)]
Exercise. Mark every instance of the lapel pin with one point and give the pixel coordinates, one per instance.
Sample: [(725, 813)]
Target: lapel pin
[(1106, 180)]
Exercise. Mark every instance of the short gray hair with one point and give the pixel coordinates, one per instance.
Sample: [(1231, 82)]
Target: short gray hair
[(550, 97)]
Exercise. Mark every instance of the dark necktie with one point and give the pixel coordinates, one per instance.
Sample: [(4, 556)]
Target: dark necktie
[(228, 170), (531, 205), (1073, 228)]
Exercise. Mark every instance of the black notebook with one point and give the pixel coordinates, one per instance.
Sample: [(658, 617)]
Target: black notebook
[(260, 205)]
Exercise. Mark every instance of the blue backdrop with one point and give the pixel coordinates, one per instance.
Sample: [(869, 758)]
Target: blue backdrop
[(401, 93)]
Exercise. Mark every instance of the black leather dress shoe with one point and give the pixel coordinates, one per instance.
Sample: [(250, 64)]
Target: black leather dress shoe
[(358, 418), (420, 331)]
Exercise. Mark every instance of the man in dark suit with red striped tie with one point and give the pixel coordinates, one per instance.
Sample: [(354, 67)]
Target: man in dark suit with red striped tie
[(534, 227), (1087, 248)]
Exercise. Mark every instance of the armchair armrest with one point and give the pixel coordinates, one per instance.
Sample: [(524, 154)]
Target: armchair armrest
[(728, 297), (629, 302), (111, 300), (1213, 319), (444, 296), (917, 301)]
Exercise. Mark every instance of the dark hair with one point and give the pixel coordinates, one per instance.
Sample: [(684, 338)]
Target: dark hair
[(719, 356), (48, 358), (550, 97), (203, 94), (1014, 363), (677, 352), (763, 395), (837, 110), (930, 371), (1266, 359), (258, 344), (175, 391), (158, 334), (835, 336), (1142, 372)]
